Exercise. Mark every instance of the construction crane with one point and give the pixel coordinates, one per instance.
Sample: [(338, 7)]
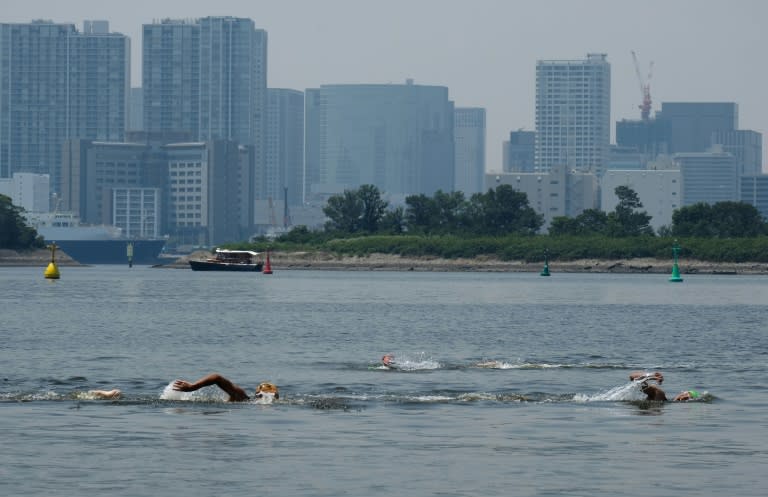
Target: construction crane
[(645, 88)]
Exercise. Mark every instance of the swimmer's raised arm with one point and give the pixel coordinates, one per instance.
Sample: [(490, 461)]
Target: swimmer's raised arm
[(236, 394), (653, 392), (639, 375)]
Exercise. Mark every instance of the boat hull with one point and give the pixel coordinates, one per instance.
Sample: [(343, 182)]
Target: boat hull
[(224, 266), (145, 252)]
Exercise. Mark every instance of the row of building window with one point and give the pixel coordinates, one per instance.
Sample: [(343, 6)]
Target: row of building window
[(187, 173), (187, 182)]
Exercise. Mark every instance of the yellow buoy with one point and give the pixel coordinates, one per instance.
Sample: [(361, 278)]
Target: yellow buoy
[(52, 271)]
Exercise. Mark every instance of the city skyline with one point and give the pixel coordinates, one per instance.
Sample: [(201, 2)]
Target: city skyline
[(485, 53)]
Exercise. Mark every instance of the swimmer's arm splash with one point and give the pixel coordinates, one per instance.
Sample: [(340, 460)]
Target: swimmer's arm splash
[(645, 376), (235, 392)]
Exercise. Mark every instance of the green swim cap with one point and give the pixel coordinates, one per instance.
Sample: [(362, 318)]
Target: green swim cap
[(694, 394)]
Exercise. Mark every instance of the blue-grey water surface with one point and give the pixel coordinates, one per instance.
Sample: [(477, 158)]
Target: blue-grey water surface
[(555, 415)]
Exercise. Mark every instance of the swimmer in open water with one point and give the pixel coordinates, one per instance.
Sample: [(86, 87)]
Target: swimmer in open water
[(235, 392), (654, 392), (388, 360)]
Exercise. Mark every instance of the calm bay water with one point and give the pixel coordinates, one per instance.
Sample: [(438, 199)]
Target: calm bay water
[(555, 415)]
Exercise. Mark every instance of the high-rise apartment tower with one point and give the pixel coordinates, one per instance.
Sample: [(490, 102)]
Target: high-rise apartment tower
[(209, 77), (58, 83), (573, 108)]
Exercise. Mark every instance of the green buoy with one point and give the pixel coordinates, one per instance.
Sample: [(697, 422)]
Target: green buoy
[(675, 277), (545, 271)]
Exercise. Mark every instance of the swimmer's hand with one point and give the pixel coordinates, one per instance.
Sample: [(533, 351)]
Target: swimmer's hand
[(182, 386)]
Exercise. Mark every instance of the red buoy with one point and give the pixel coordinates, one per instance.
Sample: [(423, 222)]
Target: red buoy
[(267, 266)]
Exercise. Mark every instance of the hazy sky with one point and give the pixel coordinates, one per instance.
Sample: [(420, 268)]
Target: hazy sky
[(484, 51)]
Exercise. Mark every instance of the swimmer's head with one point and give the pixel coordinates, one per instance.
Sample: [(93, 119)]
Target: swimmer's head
[(686, 395), (267, 391)]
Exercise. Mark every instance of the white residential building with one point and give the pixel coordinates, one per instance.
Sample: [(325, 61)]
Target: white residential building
[(658, 190), (136, 211), (29, 191), (556, 193), (573, 110)]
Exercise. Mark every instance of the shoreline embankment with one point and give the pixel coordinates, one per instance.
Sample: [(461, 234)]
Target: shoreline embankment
[(387, 262), (39, 257)]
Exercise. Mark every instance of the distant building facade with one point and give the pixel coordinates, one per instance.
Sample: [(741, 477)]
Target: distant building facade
[(58, 83), (573, 108), (520, 152), (29, 191), (396, 137), (171, 77), (754, 191), (312, 174), (284, 171), (709, 177), (197, 192), (136, 120), (690, 125), (205, 199), (137, 211), (623, 158), (209, 77), (556, 193), (660, 192), (647, 138), (685, 127), (745, 145), (90, 169), (469, 140)]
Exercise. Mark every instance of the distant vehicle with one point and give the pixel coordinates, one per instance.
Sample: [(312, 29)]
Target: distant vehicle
[(230, 260)]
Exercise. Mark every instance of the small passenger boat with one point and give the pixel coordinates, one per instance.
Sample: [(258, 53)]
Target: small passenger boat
[(229, 260)]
